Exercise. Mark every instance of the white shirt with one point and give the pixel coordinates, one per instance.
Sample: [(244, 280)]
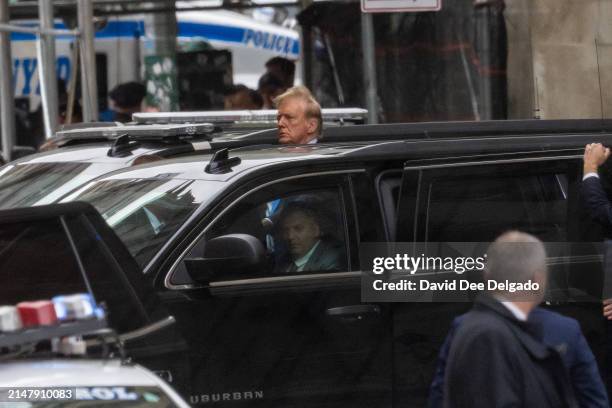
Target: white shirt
[(516, 312), (591, 174)]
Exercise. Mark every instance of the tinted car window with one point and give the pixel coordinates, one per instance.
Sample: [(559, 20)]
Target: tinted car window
[(302, 232), (50, 251), (480, 208), (54, 273), (24, 185), (144, 212)]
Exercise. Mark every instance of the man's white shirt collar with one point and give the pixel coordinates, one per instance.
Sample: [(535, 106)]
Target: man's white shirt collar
[(516, 312), (299, 263)]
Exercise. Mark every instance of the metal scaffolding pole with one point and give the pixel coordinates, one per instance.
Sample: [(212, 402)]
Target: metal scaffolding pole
[(88, 61), (46, 68), (369, 67), (7, 107)]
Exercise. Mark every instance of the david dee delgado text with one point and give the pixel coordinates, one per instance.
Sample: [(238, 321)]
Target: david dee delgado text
[(458, 265)]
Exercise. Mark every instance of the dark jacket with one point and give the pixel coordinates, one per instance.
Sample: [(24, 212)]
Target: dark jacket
[(561, 332), (496, 360), (597, 203)]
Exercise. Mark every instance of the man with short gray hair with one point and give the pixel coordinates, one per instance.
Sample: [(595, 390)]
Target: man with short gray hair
[(517, 257), (497, 358)]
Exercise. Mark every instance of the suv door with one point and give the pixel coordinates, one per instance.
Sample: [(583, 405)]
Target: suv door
[(274, 336), (476, 202), (63, 249), (58, 249)]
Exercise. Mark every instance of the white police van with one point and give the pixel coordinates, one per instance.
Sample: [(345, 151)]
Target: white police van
[(119, 47)]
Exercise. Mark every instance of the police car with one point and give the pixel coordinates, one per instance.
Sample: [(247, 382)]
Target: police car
[(196, 237), (59, 383)]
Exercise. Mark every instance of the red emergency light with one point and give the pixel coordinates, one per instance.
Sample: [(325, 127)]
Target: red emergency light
[(37, 313)]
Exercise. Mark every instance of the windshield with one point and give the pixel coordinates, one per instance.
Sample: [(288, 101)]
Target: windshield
[(24, 185), (145, 213)]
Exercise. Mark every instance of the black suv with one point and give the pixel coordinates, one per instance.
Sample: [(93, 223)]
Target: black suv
[(204, 231)]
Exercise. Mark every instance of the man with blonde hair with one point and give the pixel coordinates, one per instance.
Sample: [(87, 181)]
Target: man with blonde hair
[(299, 119)]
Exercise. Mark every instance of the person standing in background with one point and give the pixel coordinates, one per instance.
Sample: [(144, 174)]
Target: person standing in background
[(126, 99), (283, 69)]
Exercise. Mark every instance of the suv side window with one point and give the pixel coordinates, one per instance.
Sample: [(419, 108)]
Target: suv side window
[(482, 208), (301, 232), (477, 203), (302, 229)]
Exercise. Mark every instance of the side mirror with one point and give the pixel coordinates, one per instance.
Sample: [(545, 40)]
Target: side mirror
[(227, 256)]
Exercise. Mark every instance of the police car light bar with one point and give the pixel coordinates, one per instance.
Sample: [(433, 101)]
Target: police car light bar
[(30, 322), (266, 115), (138, 132)]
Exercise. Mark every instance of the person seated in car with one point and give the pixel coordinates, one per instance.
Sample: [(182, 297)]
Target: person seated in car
[(306, 246)]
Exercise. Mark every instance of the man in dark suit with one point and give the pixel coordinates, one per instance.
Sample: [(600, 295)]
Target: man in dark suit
[(600, 210), (497, 358), (306, 245), (595, 198), (561, 332)]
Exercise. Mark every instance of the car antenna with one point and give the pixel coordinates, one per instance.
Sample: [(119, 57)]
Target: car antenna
[(221, 162), (122, 146)]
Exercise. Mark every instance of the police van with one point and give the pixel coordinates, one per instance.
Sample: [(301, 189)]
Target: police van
[(120, 45)]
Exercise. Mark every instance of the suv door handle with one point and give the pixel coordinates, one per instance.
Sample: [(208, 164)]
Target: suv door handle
[(353, 312)]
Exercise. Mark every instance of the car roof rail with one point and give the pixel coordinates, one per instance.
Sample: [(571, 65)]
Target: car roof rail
[(153, 133), (424, 130), (430, 130), (500, 144), (240, 116)]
